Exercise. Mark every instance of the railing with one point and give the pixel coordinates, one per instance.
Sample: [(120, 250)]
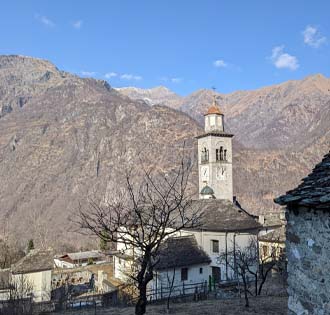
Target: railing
[(177, 291)]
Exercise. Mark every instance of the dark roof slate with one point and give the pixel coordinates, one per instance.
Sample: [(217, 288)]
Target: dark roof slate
[(220, 215), (36, 260), (314, 191), (181, 251)]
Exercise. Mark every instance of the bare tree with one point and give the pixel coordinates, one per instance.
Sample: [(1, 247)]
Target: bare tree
[(40, 230), (10, 252), (247, 263), (19, 296), (170, 282), (142, 217)]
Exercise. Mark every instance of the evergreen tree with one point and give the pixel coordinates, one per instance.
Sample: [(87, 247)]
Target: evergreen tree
[(30, 245)]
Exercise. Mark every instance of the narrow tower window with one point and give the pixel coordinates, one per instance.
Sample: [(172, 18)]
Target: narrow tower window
[(205, 155)]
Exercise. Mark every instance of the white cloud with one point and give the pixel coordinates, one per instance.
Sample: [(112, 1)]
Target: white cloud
[(172, 80), (110, 75), (44, 20), (176, 80), (283, 60), (220, 63), (88, 73), (313, 37), (77, 24), (130, 77)]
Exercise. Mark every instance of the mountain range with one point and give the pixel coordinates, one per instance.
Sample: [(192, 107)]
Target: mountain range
[(64, 138)]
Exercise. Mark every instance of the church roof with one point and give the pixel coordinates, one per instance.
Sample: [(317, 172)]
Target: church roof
[(207, 190), (213, 110), (221, 215), (181, 251), (314, 191)]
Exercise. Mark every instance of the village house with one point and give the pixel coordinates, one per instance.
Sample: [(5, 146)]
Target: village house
[(272, 245), (307, 242), (78, 259), (32, 275), (182, 265), (225, 224)]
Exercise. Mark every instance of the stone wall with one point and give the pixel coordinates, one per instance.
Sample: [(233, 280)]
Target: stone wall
[(308, 251)]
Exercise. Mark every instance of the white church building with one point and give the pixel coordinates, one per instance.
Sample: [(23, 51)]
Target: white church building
[(225, 224)]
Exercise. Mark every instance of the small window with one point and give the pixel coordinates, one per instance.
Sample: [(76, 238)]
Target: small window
[(215, 246), (200, 270), (205, 155), (184, 274), (265, 250)]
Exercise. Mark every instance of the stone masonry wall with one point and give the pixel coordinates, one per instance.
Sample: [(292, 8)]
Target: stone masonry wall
[(308, 251)]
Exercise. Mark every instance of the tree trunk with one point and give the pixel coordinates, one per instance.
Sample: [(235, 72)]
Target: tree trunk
[(140, 307), (245, 291)]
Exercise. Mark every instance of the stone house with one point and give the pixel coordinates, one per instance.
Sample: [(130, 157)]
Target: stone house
[(308, 242)]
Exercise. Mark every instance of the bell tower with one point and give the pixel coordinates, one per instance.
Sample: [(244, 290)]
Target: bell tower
[(215, 156)]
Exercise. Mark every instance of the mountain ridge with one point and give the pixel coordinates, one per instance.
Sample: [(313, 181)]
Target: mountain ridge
[(67, 138)]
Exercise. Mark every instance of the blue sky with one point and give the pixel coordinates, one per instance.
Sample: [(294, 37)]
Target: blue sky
[(182, 44)]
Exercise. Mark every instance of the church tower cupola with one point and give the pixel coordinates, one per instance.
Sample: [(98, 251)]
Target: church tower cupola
[(215, 157), (214, 118)]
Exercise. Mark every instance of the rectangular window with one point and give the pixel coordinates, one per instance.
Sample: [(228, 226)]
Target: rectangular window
[(200, 270), (265, 250), (184, 274), (215, 246)]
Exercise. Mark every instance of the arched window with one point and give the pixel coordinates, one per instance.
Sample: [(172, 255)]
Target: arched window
[(205, 155), (221, 154)]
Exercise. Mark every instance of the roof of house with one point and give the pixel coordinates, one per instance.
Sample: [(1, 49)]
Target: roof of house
[(275, 236), (220, 215), (36, 260), (83, 255), (273, 219), (181, 251), (314, 191)]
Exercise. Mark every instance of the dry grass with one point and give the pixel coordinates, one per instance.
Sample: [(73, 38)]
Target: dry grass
[(266, 305)]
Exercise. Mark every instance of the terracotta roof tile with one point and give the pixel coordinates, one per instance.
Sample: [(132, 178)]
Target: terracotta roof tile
[(214, 110)]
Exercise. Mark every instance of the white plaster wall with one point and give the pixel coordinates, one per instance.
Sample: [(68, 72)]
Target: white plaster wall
[(39, 281), (213, 122), (162, 280), (204, 240), (223, 188)]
